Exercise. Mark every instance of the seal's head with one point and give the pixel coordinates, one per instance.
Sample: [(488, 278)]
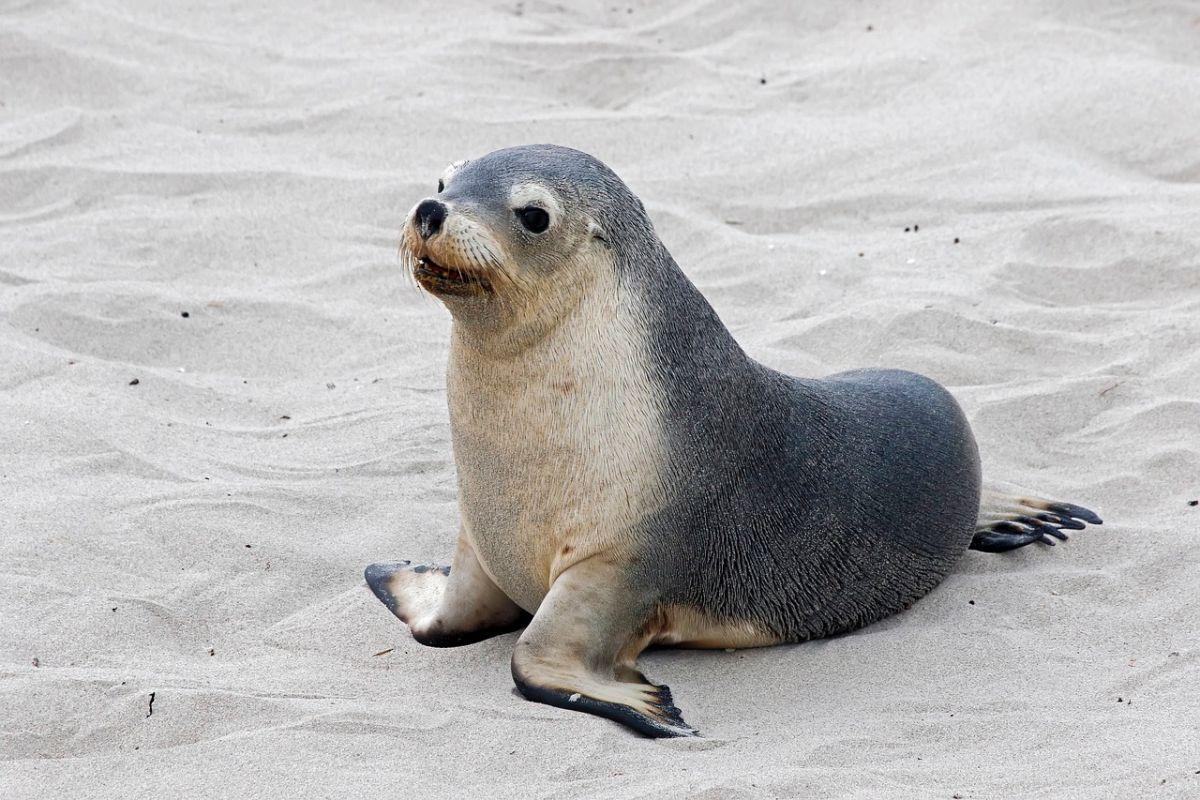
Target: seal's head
[(518, 228)]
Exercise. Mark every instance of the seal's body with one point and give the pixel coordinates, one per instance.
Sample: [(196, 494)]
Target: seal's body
[(628, 476), (862, 488)]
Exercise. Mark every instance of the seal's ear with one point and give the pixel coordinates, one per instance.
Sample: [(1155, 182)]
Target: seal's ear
[(596, 232), (450, 171)]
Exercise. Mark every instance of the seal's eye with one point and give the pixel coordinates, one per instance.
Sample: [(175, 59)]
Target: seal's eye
[(535, 219), (441, 186)]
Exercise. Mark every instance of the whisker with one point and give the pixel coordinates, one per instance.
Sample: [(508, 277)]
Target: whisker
[(488, 257), (497, 265)]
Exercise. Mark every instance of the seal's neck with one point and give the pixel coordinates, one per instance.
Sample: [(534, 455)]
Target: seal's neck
[(688, 341), (519, 327), (561, 318), (612, 307)]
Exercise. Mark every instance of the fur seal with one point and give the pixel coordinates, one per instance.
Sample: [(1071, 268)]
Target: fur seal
[(628, 476)]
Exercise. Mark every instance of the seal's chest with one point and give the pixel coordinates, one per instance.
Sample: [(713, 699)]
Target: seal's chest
[(558, 459)]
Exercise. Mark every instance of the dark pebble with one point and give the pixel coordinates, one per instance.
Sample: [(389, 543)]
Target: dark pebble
[(1194, 502), (134, 382), (185, 314)]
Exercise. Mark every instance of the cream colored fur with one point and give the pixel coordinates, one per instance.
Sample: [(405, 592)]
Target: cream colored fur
[(556, 430)]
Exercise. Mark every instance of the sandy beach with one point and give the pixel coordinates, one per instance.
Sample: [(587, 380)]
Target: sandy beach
[(220, 398)]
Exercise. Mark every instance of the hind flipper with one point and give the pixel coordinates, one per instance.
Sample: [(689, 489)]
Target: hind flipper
[(1009, 519), (579, 653), (445, 607)]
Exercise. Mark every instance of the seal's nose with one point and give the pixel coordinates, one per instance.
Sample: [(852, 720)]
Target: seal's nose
[(429, 217)]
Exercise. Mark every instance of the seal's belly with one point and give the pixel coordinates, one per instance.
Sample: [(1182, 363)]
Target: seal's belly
[(533, 510), (516, 518), (516, 543)]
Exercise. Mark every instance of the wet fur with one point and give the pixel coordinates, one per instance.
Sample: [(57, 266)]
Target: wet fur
[(802, 507), (629, 476)]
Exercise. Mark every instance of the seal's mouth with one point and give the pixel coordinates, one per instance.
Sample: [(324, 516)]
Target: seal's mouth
[(449, 280)]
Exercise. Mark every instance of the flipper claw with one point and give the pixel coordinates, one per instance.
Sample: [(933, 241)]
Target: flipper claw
[(1078, 512)]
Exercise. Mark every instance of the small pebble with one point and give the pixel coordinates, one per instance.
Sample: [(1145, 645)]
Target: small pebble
[(134, 382), (1194, 502), (185, 314)]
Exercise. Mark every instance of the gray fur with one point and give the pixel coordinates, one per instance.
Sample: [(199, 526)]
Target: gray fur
[(809, 507)]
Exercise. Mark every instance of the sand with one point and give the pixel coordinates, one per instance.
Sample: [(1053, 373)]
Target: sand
[(220, 399)]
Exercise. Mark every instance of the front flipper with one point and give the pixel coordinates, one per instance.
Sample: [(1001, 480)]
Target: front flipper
[(579, 651), (446, 607)]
